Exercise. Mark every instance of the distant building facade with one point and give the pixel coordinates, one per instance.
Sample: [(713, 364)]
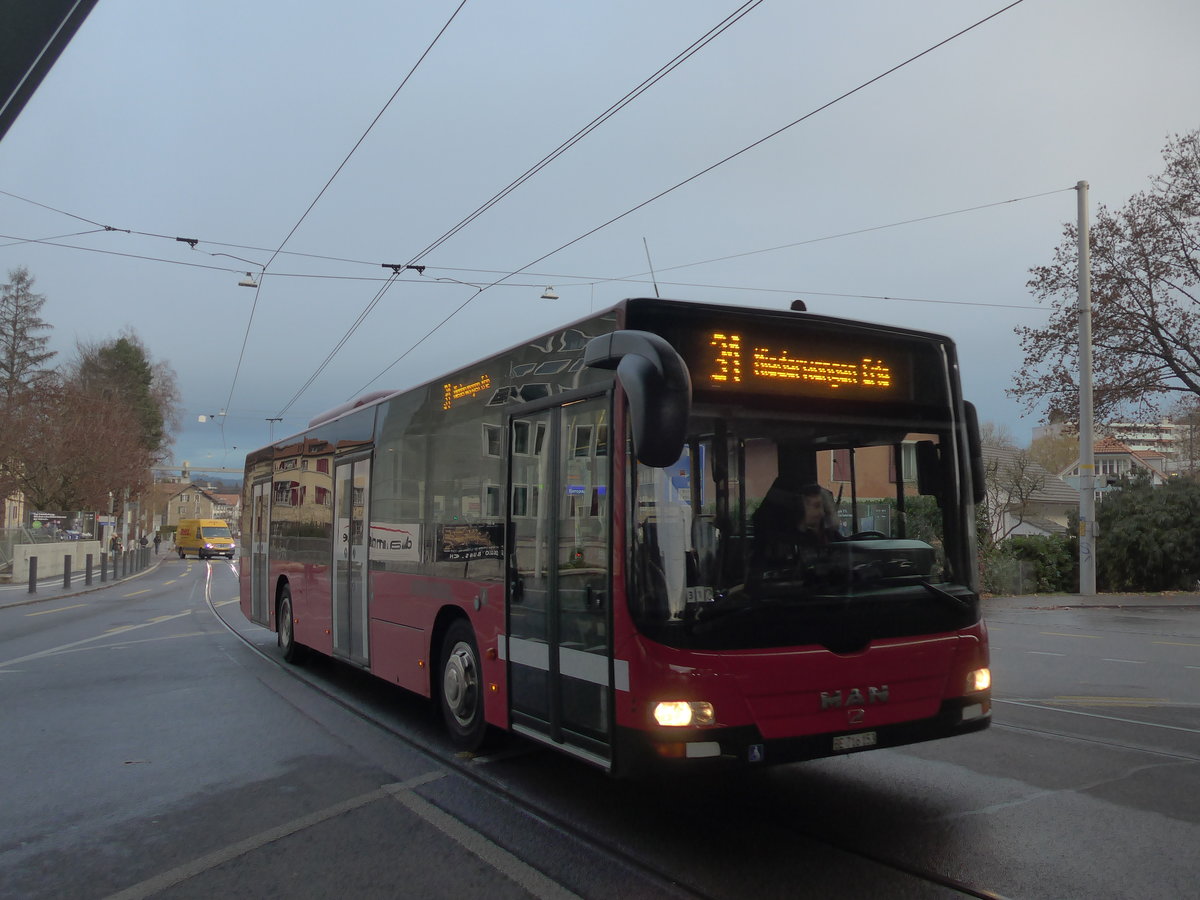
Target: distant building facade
[(1116, 460)]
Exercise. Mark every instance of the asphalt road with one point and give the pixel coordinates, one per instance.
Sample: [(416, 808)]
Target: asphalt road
[(146, 750)]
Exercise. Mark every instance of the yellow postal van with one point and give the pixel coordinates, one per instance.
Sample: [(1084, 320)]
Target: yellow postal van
[(205, 538)]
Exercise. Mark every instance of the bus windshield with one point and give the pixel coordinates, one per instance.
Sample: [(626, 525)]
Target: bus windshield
[(775, 532)]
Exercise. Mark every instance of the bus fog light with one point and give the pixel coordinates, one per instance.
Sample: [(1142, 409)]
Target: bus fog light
[(979, 680), (682, 713)]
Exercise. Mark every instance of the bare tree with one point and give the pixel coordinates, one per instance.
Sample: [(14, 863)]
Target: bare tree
[(993, 435), (1013, 480), (1145, 295), (68, 450)]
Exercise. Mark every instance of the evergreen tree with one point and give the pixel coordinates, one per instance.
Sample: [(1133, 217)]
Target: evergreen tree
[(23, 352), (1147, 536), (121, 370)]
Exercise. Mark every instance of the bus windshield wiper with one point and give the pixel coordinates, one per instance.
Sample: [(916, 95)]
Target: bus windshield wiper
[(957, 602)]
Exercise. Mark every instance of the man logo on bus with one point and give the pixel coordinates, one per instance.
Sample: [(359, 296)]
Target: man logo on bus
[(854, 697)]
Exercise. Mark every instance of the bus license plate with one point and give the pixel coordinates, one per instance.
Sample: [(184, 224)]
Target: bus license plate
[(854, 741)]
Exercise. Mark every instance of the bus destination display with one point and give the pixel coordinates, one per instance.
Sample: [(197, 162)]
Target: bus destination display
[(807, 366)]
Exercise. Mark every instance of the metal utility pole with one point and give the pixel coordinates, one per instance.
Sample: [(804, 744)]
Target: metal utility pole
[(1087, 458)]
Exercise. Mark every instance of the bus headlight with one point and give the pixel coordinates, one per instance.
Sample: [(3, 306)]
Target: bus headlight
[(979, 680), (682, 713)]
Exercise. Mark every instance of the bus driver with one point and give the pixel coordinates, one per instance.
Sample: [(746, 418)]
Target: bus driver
[(792, 522)]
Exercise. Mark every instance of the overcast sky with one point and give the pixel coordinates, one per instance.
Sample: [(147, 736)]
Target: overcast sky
[(222, 121)]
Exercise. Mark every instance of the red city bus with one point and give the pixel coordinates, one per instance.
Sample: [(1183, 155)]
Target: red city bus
[(672, 534)]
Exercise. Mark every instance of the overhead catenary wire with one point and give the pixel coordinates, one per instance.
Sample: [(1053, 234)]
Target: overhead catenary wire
[(337, 171), (584, 280), (579, 279), (332, 353), (853, 233), (609, 222), (707, 170), (562, 148), (650, 81)]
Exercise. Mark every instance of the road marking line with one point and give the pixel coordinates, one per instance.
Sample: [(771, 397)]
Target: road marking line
[(135, 593), (1147, 702), (1094, 637), (1174, 644), (119, 644), (46, 612), (498, 858), (226, 602), (1132, 662), (1081, 697), (1045, 653), (96, 637), (172, 877)]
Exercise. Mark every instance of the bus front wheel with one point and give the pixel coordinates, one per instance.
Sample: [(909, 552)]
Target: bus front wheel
[(461, 690)]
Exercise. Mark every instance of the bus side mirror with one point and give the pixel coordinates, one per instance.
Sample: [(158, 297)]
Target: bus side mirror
[(657, 386), (975, 448)]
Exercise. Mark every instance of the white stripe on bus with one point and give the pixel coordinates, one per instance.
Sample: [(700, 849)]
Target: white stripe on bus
[(589, 667)]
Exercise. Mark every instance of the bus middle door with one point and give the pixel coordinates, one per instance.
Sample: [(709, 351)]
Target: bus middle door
[(559, 616), (351, 485)]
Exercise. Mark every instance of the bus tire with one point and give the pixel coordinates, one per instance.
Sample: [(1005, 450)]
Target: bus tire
[(460, 688), (285, 624)]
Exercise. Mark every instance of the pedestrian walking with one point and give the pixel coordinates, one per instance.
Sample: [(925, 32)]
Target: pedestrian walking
[(157, 541)]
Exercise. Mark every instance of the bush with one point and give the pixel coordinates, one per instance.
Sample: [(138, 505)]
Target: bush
[(1032, 564), (1147, 537)]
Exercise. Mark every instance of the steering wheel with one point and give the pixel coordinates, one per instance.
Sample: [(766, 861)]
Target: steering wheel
[(873, 535)]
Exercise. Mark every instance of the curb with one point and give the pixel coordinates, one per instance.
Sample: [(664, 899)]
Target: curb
[(28, 600)]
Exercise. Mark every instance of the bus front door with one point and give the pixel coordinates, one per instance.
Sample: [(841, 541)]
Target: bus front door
[(350, 491), (260, 522), (559, 644)]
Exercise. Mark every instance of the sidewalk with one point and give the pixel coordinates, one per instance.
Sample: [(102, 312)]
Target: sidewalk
[(1166, 600), (14, 594)]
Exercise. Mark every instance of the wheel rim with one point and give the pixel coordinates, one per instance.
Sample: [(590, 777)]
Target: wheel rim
[(285, 624), (460, 684)]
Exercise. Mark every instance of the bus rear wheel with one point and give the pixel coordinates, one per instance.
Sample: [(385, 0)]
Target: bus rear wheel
[(461, 689), (286, 628)]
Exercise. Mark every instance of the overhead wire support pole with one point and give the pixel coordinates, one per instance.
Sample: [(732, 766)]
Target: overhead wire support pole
[(1087, 459)]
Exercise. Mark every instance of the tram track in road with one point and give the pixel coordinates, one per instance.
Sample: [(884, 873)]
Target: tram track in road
[(1116, 745), (474, 770)]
